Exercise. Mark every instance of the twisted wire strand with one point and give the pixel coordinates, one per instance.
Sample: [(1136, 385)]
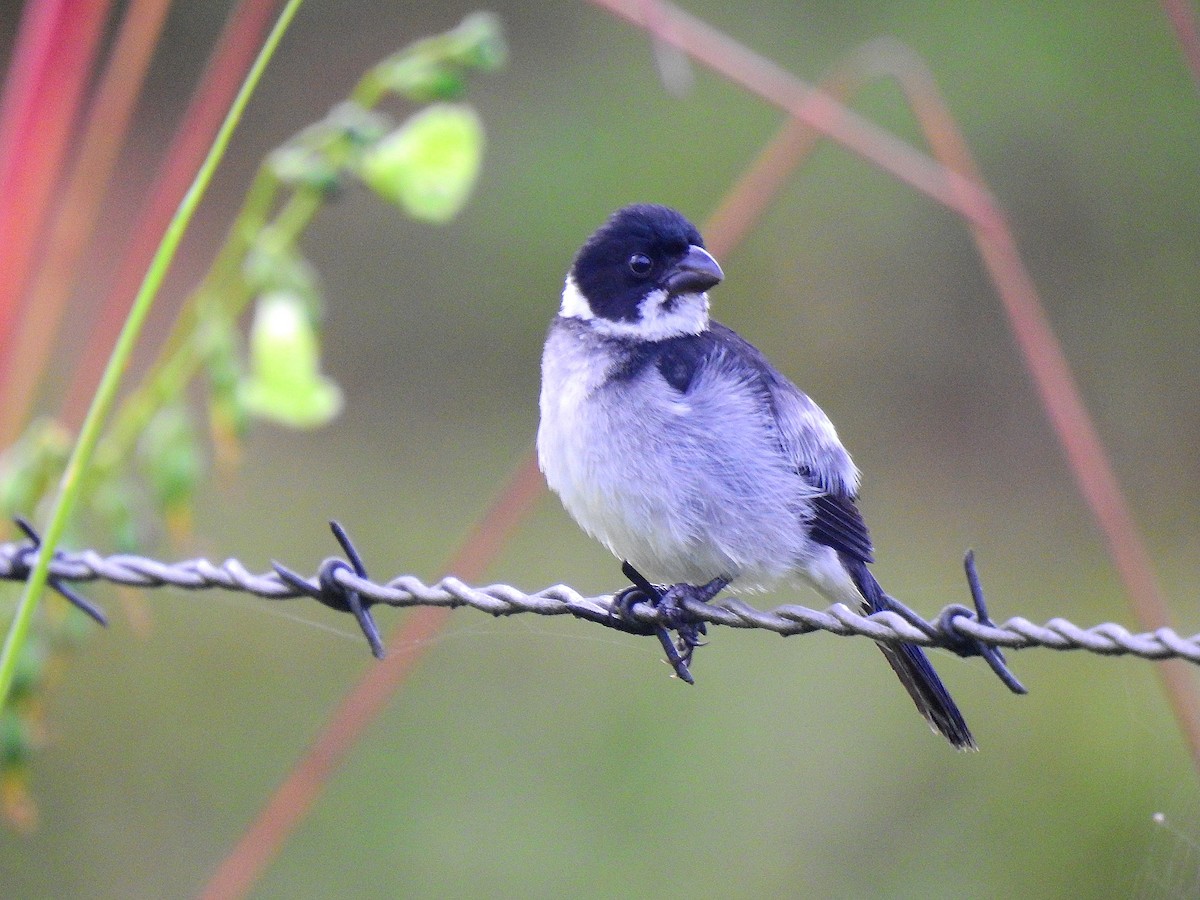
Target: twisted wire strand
[(948, 629)]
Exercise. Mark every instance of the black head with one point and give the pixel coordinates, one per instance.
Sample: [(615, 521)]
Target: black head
[(640, 250)]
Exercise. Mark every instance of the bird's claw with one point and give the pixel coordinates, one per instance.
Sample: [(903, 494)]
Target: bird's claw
[(671, 605)]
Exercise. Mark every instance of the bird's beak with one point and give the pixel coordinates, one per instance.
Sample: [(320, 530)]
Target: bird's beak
[(695, 273)]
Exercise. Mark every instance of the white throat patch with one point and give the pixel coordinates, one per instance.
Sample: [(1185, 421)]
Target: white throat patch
[(688, 314)]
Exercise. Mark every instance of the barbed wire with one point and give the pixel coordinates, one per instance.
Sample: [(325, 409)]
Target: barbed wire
[(345, 587)]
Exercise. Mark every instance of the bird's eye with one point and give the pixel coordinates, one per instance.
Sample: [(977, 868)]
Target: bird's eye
[(640, 264)]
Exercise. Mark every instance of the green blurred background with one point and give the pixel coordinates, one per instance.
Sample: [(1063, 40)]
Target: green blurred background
[(537, 758)]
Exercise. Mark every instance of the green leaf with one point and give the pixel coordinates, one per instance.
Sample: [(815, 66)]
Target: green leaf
[(30, 468), (285, 384), (430, 164), (171, 453), (480, 42), (315, 156), (436, 68)]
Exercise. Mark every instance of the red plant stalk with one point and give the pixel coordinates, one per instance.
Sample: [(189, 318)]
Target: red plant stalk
[(75, 217), (1183, 21), (52, 60), (231, 57), (1060, 396)]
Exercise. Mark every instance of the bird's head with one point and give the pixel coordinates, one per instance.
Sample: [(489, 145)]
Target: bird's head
[(643, 274)]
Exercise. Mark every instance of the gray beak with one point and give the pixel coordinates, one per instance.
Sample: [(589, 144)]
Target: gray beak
[(695, 273)]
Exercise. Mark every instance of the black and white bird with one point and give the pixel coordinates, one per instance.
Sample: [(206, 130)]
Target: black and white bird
[(675, 443)]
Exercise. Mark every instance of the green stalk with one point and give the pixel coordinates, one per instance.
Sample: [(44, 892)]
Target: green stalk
[(72, 480)]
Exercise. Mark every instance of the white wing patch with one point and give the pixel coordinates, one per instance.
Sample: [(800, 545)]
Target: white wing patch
[(812, 441)]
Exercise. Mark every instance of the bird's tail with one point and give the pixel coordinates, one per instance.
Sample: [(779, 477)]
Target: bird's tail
[(913, 668)]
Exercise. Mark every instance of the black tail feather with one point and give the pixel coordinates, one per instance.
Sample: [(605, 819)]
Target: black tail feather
[(912, 667)]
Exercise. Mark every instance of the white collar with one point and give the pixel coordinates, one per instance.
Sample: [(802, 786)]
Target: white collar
[(688, 315)]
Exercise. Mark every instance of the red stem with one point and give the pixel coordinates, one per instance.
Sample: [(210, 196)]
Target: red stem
[(1183, 20), (295, 796), (76, 213), (806, 104), (52, 60)]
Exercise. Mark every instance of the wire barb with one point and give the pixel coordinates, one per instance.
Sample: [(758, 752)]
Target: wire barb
[(336, 595), (23, 561), (956, 628), (991, 655)]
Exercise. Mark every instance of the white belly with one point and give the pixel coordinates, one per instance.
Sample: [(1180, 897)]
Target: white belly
[(685, 488)]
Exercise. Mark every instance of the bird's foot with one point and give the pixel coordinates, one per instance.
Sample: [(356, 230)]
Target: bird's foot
[(671, 603)]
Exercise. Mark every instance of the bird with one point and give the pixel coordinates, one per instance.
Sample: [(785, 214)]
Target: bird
[(674, 442)]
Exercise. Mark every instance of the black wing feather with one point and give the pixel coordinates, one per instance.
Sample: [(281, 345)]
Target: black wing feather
[(837, 523)]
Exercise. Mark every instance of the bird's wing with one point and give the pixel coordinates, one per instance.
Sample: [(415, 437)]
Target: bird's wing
[(811, 444), (809, 440)]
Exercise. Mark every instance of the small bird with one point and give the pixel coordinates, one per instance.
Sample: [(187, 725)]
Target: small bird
[(674, 442)]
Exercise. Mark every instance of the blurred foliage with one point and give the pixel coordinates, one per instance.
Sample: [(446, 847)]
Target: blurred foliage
[(261, 260), (543, 759), (429, 166), (285, 384)]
